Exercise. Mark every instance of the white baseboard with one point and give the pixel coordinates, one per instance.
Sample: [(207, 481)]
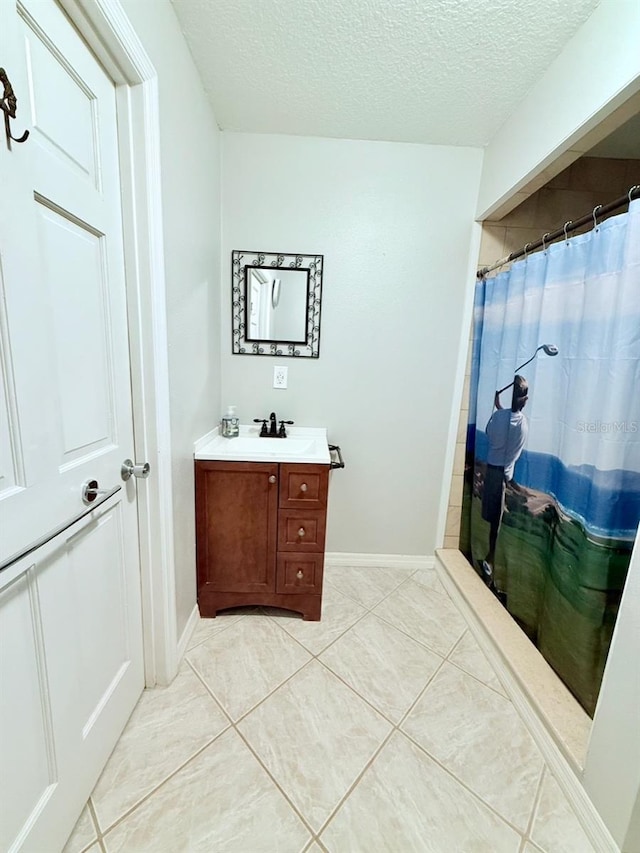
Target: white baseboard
[(563, 765), (189, 628), (389, 561)]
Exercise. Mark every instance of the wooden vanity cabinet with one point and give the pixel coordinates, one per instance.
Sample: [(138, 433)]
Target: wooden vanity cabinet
[(260, 534)]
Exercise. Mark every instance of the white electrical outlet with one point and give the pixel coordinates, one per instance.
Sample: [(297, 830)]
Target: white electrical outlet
[(280, 377)]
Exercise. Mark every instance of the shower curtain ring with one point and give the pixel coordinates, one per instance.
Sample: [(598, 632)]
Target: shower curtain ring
[(526, 245), (566, 225), (594, 214), (631, 191), (544, 241)]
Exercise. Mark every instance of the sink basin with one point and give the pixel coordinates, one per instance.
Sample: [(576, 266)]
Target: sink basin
[(303, 444), (268, 446)]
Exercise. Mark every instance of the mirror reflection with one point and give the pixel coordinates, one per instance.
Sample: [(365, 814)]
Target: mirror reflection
[(276, 302)]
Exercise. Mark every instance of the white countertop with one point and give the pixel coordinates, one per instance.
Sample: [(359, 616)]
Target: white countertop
[(302, 444)]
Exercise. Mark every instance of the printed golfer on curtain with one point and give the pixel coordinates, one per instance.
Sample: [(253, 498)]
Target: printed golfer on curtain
[(552, 483), (507, 434)]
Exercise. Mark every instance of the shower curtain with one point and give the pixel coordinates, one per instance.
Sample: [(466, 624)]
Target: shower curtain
[(552, 473)]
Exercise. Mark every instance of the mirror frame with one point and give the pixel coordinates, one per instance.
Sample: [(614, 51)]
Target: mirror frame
[(313, 265)]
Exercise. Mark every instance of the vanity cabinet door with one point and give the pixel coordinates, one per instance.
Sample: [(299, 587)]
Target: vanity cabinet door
[(236, 524)]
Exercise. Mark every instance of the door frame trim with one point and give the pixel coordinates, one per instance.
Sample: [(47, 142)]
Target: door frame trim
[(109, 33)]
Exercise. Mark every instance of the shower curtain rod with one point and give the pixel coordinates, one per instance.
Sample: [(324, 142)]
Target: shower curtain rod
[(549, 237)]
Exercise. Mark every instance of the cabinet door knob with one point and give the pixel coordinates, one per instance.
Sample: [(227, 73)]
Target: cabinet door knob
[(304, 487), (301, 532), (272, 478), (299, 574)]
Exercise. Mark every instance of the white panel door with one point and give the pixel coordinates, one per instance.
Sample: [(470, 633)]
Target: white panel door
[(70, 614)]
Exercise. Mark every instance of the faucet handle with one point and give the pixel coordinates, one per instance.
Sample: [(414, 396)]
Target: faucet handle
[(263, 428), (282, 431)]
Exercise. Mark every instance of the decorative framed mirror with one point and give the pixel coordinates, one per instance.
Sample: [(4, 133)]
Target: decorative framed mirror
[(275, 303)]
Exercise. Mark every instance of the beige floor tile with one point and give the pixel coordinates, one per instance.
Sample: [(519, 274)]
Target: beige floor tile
[(83, 834), (315, 736), (479, 737), (366, 585), (531, 848), (429, 617), (429, 579), (221, 800), (338, 614), (469, 656), (207, 628), (383, 665), (406, 802), (244, 663), (167, 727), (555, 826)]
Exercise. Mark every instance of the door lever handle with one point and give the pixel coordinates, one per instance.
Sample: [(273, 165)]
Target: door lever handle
[(91, 490), (129, 469)]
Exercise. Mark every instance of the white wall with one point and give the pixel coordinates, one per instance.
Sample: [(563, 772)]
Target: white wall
[(394, 223), (612, 770), (190, 153), (596, 72)]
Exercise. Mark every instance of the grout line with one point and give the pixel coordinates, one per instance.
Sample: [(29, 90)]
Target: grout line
[(232, 622), (384, 597), (420, 695), (359, 695), (210, 692), (334, 811), (151, 793), (463, 784), (480, 681), (536, 804), (415, 639), (457, 642), (94, 818), (233, 725), (275, 620), (471, 674), (287, 797), (395, 728)]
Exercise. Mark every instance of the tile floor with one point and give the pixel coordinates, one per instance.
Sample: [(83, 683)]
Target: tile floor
[(380, 728)]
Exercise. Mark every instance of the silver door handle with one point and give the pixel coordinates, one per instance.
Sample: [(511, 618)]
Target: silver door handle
[(105, 495), (129, 469), (91, 490)]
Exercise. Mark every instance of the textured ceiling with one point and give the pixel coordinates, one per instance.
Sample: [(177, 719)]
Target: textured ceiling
[(435, 71)]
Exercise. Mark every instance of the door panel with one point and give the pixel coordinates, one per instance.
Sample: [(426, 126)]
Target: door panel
[(24, 710), (72, 253), (70, 613), (53, 81), (11, 456)]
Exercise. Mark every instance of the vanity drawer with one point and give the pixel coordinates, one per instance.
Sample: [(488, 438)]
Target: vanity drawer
[(303, 486), (299, 573), (301, 530)]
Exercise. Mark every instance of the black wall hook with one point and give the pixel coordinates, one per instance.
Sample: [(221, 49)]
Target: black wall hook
[(9, 106)]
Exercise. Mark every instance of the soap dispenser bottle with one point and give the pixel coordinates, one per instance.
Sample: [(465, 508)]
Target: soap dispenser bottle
[(230, 423)]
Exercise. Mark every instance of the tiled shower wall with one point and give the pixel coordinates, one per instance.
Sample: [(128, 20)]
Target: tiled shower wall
[(570, 195)]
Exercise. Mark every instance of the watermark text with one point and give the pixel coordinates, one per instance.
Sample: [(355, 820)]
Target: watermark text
[(608, 426)]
